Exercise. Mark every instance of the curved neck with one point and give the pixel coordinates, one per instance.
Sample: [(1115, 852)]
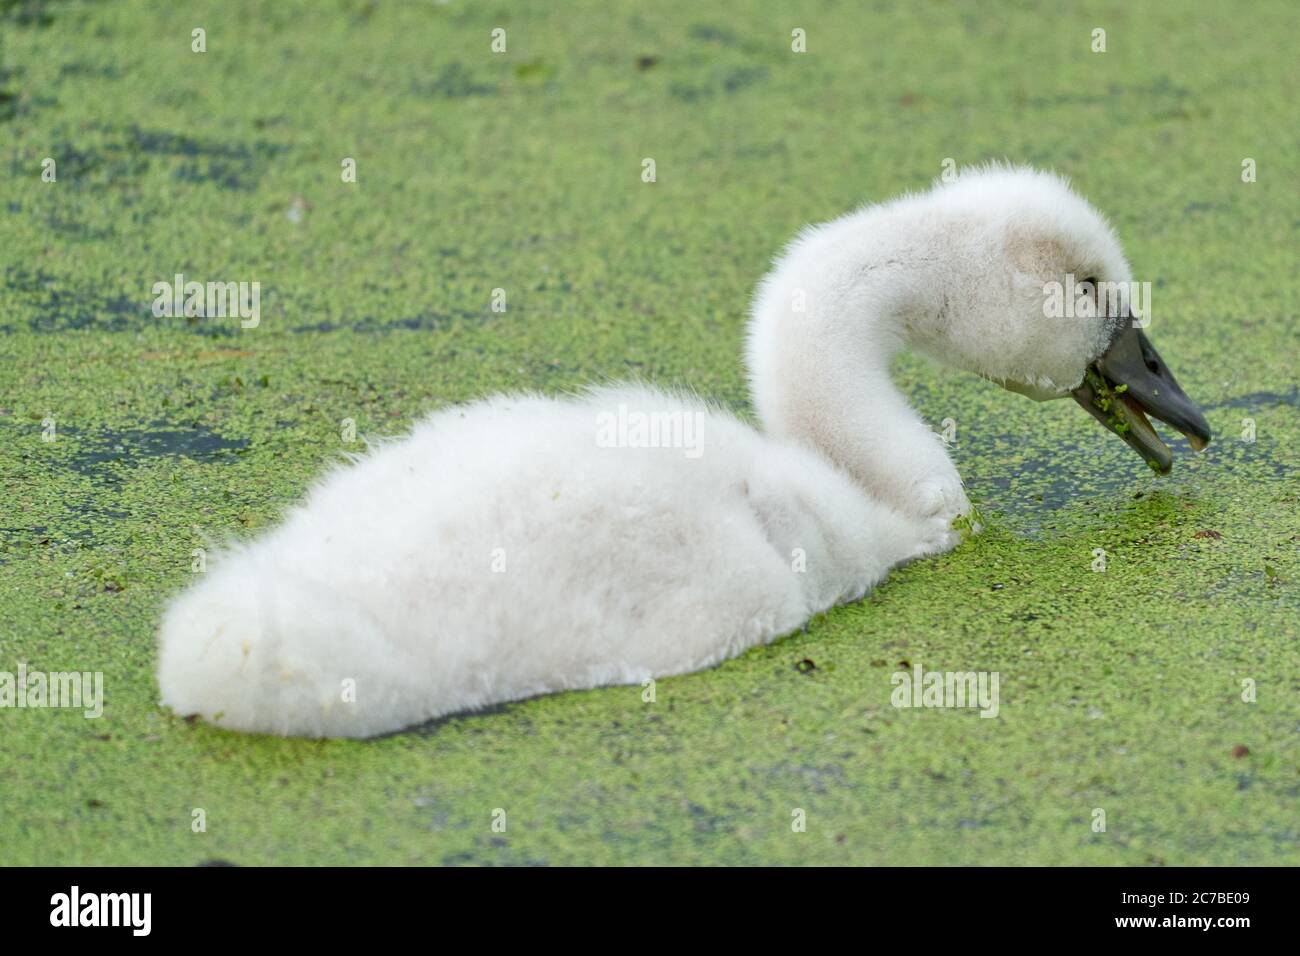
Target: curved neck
[(825, 326)]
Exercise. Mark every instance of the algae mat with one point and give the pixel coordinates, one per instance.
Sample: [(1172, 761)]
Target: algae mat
[(1149, 709)]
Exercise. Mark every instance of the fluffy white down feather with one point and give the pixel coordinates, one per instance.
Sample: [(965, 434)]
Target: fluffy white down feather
[(497, 553)]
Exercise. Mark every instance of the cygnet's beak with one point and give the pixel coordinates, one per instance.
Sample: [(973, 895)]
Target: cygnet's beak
[(1129, 382)]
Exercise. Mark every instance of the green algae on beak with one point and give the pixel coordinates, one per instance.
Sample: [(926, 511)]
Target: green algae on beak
[(1125, 418), (1128, 381)]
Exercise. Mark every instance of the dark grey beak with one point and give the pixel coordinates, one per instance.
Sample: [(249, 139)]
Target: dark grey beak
[(1130, 381)]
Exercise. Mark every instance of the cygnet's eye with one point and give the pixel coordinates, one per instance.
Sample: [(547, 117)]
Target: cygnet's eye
[(1089, 287)]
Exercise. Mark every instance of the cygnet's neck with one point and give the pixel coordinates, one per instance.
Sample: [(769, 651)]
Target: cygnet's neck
[(826, 323)]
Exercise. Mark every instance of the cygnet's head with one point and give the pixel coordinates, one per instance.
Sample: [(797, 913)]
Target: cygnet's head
[(1052, 310)]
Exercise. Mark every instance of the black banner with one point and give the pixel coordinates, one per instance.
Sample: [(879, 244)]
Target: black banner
[(237, 904)]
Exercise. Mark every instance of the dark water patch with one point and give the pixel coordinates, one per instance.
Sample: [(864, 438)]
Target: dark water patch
[(55, 304), (223, 174), (454, 82), (1259, 399), (425, 322), (231, 165), (807, 776), (742, 77), (90, 510), (1029, 474), (52, 303), (15, 102), (8, 104), (27, 13), (130, 152), (97, 71), (709, 33), (1038, 483), (81, 527), (18, 541), (107, 164), (719, 80), (1160, 92), (167, 143), (1034, 486), (77, 528), (86, 518), (75, 229), (705, 820), (1230, 453), (71, 162), (1207, 207), (27, 281), (130, 447)]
